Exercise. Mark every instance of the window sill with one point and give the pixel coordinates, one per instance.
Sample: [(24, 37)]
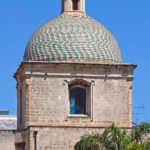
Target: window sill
[(78, 116)]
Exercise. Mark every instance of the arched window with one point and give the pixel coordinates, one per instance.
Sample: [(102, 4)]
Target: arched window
[(75, 4), (79, 92)]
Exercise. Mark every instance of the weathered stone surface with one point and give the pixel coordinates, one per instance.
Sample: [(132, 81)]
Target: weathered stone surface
[(46, 93), (8, 122), (44, 105), (7, 139), (55, 138)]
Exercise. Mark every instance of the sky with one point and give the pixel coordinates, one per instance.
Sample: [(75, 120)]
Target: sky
[(128, 20)]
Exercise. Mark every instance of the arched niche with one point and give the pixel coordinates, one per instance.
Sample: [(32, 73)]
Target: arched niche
[(75, 4)]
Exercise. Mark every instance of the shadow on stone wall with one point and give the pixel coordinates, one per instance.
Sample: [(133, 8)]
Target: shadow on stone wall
[(76, 146)]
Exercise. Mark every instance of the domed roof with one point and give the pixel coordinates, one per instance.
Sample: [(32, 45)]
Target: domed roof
[(73, 38)]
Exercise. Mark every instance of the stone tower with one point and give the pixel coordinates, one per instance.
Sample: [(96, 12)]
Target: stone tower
[(72, 81), (73, 7)]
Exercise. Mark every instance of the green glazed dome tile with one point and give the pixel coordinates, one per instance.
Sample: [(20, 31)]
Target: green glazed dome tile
[(73, 38)]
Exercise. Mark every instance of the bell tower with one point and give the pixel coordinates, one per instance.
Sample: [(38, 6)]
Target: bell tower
[(73, 7)]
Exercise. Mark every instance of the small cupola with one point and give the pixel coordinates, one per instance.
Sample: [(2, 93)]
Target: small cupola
[(73, 7)]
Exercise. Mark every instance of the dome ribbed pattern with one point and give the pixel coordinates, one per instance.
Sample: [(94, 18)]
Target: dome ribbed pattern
[(73, 38)]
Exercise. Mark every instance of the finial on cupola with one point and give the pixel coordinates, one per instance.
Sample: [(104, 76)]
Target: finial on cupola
[(73, 7)]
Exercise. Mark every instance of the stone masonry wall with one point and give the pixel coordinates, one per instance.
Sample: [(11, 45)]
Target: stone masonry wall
[(112, 101), (47, 94), (50, 100), (7, 139), (54, 138), (21, 105)]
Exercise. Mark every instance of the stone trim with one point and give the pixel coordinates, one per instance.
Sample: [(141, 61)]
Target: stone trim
[(79, 65), (19, 142), (79, 123)]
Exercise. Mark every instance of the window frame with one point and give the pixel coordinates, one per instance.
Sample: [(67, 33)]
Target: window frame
[(79, 83), (70, 91)]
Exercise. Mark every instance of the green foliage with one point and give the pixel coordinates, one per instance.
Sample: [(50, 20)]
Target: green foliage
[(139, 133), (146, 145), (133, 146), (114, 138), (90, 142)]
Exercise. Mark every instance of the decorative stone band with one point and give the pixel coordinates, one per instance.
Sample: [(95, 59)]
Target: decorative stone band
[(73, 38), (73, 13), (92, 69)]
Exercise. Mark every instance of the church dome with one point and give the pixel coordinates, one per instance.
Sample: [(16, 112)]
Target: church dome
[(73, 38)]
